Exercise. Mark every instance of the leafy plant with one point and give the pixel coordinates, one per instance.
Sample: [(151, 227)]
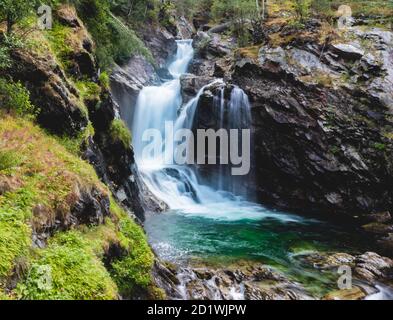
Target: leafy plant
[(13, 11), (104, 80), (120, 132), (302, 9), (15, 98), (7, 44), (8, 159)]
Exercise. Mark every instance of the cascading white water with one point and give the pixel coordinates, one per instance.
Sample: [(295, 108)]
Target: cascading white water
[(190, 200), (178, 186)]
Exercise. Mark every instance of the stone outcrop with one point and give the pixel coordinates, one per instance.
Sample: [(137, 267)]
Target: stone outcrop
[(128, 80), (322, 122), (60, 109), (161, 43)]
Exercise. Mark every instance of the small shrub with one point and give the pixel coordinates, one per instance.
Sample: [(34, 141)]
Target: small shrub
[(302, 9), (8, 159), (88, 90), (104, 80), (14, 98), (7, 44), (58, 39), (120, 132)]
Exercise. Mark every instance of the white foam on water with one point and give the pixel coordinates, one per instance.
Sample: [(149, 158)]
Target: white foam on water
[(178, 186)]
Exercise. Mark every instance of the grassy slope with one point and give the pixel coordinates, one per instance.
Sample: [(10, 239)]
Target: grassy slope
[(39, 170)]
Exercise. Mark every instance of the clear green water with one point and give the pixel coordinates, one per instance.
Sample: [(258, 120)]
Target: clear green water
[(273, 241)]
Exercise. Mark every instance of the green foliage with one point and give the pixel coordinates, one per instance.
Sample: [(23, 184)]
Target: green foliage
[(8, 159), (380, 146), (240, 13), (15, 98), (13, 11), (5, 59), (116, 43), (136, 11), (57, 37), (71, 266), (134, 270), (234, 9), (302, 9), (7, 44), (68, 269), (74, 144), (104, 80), (15, 241), (88, 90), (120, 132)]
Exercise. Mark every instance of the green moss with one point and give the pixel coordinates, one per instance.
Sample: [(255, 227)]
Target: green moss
[(57, 38), (73, 145), (15, 241), (8, 159), (134, 270), (380, 146), (116, 42), (68, 269), (104, 80), (88, 90), (120, 132)]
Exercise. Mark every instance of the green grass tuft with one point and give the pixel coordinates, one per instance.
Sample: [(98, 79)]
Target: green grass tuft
[(68, 269), (120, 132)]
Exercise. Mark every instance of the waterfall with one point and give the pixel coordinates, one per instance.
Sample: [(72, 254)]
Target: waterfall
[(176, 185)]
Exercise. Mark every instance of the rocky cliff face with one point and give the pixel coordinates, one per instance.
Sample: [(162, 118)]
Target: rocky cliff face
[(322, 117)]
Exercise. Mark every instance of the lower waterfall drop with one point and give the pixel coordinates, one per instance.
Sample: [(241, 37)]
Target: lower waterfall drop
[(176, 185)]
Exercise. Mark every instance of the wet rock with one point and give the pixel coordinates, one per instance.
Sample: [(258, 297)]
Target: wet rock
[(185, 29), (165, 277), (252, 282), (355, 293), (211, 55), (387, 242), (211, 45), (86, 64), (128, 80), (191, 85), (371, 267), (378, 228), (380, 217)]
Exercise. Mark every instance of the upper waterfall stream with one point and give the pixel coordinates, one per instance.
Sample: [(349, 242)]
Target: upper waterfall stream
[(212, 222)]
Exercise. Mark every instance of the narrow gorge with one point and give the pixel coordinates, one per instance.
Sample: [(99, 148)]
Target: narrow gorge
[(106, 192)]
